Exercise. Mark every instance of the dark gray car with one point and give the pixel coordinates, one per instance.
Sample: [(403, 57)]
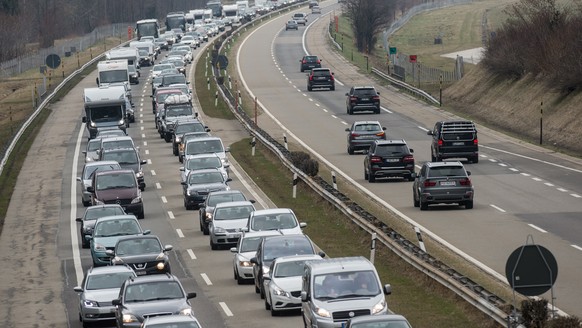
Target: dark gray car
[(160, 294), (92, 213), (128, 158), (442, 183), (200, 183)]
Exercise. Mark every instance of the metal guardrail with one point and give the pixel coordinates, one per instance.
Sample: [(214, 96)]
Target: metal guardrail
[(402, 85), (473, 293)]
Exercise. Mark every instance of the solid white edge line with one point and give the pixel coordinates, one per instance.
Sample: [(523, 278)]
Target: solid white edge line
[(225, 309), (206, 279), (73, 210), (577, 247), (497, 208), (537, 228)]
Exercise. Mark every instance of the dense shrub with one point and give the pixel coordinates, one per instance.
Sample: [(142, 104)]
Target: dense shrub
[(304, 162)]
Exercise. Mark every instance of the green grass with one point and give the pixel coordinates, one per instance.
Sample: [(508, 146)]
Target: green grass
[(207, 97)]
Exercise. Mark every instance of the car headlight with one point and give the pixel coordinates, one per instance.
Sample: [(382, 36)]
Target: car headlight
[(322, 312), (121, 122), (139, 174), (87, 230), (208, 216), (178, 140), (99, 248), (136, 200), (127, 318), (219, 230), (245, 263), (89, 303), (379, 307), (117, 260), (160, 266), (186, 311), (279, 292)]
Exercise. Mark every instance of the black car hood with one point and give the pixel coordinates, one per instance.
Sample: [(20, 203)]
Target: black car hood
[(142, 258)]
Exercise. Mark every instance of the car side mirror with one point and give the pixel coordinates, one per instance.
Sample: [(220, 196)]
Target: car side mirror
[(78, 289), (429, 132), (146, 232), (183, 183), (90, 189), (191, 295), (168, 248), (254, 261), (233, 250), (347, 130), (252, 201), (468, 172), (79, 220), (303, 296), (411, 150), (110, 252), (322, 254), (227, 150), (414, 175), (79, 179), (387, 289), (384, 128), (302, 224), (347, 94), (182, 169), (228, 180), (266, 278), (143, 162), (116, 302)]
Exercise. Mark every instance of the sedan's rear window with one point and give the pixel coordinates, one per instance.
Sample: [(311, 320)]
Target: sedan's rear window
[(311, 58), (368, 127), (321, 72), (388, 150), (458, 136), (365, 92)]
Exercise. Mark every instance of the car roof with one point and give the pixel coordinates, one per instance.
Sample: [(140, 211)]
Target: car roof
[(102, 206), (279, 238), (363, 87), (233, 204), (119, 150), (291, 258), (445, 163), (116, 138), (100, 173), (208, 138), (99, 163), (354, 263), (167, 90), (109, 269), (139, 237), (153, 277), (367, 122), (204, 171), (272, 211)]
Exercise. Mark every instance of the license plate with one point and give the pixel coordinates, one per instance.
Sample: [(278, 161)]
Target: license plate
[(392, 160), (321, 78), (140, 273), (458, 143), (447, 183), (365, 99)]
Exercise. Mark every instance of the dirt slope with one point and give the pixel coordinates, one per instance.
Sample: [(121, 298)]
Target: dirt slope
[(514, 107)]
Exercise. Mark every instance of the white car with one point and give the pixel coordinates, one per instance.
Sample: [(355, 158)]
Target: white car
[(157, 69), (189, 41), (228, 219), (283, 284), (203, 161), (244, 251), (92, 151), (278, 219)]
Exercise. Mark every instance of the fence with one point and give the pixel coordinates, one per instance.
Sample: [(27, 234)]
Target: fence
[(27, 62)]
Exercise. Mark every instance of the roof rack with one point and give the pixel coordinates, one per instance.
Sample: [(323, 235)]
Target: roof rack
[(458, 126)]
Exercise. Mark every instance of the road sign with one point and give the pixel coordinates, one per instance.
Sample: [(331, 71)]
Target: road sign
[(412, 58), (531, 270), (53, 61), (393, 50)]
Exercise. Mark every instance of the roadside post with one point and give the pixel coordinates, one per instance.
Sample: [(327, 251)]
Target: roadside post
[(373, 247), (295, 185)]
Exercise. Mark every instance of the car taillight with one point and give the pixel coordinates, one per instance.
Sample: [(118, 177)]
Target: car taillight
[(465, 182), (310, 77), (429, 183), (353, 98), (380, 134), (376, 159), (317, 61), (354, 135), (331, 77), (475, 142), (440, 142), (408, 159), (304, 61), (376, 97)]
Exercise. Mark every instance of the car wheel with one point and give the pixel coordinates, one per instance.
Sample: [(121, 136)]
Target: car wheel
[(350, 111), (274, 313), (267, 306), (180, 159), (167, 137), (262, 291), (235, 274), (206, 232), (350, 150), (309, 88), (213, 246), (84, 244), (469, 204), (365, 174), (410, 177), (475, 159), (140, 215), (86, 324), (332, 88), (371, 177), (301, 70), (423, 205), (175, 151), (432, 157), (188, 207), (415, 201), (438, 158), (257, 290), (201, 225), (85, 203)]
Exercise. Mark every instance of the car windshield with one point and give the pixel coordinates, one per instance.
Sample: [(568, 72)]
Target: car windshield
[(113, 144), (153, 291), (115, 181), (387, 150), (93, 168), (138, 246), (276, 248), (367, 127), (203, 163), (107, 280), (446, 171), (175, 111), (161, 67), (216, 199), (122, 157), (191, 127), (99, 212), (204, 147), (174, 79), (232, 213), (111, 228), (346, 285), (273, 222), (289, 269), (93, 144), (204, 178), (250, 244)]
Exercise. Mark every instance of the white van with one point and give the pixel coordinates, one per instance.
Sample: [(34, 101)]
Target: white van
[(338, 289)]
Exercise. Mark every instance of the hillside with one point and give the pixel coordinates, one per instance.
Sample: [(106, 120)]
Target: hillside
[(514, 107)]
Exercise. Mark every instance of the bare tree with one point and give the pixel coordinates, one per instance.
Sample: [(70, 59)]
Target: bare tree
[(368, 18)]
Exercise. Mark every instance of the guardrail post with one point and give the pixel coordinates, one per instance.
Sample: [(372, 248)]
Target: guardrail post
[(285, 141), (253, 146), (420, 241), (295, 185), (208, 82), (333, 180), (229, 83), (216, 99), (373, 247)]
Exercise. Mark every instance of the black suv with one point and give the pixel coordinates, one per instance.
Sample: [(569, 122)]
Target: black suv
[(454, 139), (389, 158), (309, 62), (147, 295), (320, 78), (363, 99), (183, 127), (442, 183)]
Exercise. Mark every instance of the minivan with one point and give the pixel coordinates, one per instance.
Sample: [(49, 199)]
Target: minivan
[(339, 289)]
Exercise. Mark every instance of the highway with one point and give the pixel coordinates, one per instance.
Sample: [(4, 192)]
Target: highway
[(517, 191), (520, 189)]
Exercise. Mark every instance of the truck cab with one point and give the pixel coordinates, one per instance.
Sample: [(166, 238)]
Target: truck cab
[(105, 107)]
